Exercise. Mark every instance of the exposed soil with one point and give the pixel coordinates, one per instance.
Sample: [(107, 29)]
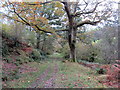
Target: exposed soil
[(50, 82), (40, 79), (47, 83)]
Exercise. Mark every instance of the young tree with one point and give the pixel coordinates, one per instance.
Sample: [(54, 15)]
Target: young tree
[(68, 16)]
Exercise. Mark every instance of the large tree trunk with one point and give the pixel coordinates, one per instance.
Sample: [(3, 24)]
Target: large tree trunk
[(71, 32), (72, 52), (72, 42)]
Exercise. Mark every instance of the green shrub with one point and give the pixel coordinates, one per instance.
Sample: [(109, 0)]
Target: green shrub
[(100, 71), (86, 52), (5, 48), (9, 44), (65, 51), (12, 75), (22, 59), (37, 55), (8, 59), (99, 60)]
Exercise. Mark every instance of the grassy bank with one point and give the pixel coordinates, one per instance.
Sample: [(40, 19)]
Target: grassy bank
[(28, 77)]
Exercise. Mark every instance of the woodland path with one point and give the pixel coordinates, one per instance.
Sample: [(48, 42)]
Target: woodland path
[(49, 83)]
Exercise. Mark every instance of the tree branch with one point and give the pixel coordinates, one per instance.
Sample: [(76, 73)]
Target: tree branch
[(62, 30), (13, 19), (87, 22), (67, 10), (23, 21), (41, 29), (91, 11), (39, 3), (20, 16)]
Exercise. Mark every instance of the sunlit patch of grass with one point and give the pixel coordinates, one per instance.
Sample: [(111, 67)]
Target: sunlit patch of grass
[(27, 78), (76, 76)]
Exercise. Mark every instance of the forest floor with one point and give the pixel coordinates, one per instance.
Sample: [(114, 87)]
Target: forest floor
[(54, 73)]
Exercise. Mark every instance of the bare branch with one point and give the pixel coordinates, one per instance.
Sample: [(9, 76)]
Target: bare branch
[(75, 6), (88, 12), (85, 5), (67, 9), (88, 22)]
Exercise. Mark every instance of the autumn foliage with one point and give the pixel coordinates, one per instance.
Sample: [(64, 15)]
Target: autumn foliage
[(112, 73), (113, 77), (27, 49)]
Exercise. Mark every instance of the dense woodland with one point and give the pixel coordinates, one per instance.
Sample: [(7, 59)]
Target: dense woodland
[(60, 44)]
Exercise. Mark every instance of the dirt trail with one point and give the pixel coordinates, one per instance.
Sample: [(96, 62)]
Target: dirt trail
[(41, 79), (50, 82)]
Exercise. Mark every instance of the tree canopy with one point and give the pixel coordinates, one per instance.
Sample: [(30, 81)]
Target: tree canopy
[(54, 16)]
